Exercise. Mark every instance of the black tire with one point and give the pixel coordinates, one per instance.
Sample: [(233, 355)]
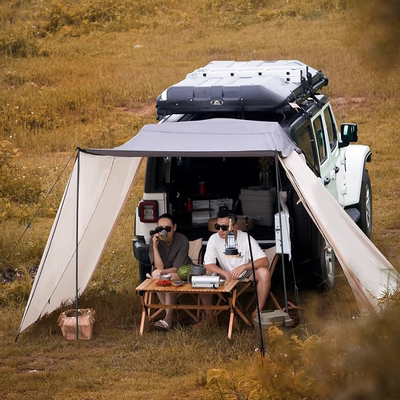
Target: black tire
[(306, 236), (365, 205), (324, 271), (315, 261)]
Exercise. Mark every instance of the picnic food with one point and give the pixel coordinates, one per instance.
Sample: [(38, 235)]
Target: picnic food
[(163, 283), (183, 272)]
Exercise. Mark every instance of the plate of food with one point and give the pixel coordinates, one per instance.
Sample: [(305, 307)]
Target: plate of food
[(163, 282)]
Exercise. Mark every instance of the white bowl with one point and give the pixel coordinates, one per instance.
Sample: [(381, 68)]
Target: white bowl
[(166, 277)]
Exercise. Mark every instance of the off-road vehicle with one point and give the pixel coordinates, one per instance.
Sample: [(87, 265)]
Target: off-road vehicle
[(194, 189)]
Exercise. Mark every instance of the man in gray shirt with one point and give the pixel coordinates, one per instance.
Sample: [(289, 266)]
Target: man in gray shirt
[(167, 256)]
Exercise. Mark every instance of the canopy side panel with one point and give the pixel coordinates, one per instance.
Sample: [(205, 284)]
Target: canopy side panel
[(104, 185), (368, 272)]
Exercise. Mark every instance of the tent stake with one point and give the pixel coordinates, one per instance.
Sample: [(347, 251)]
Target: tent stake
[(77, 244)]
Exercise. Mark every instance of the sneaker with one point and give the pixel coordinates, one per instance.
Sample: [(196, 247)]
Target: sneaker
[(161, 325), (206, 321)]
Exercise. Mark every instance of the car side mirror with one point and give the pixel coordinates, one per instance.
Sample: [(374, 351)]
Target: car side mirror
[(349, 132)]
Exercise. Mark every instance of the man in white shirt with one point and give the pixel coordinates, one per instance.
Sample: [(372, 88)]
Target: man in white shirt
[(234, 268)]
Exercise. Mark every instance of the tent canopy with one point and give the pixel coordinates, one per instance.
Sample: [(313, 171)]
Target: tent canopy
[(100, 183), (102, 178), (218, 137)]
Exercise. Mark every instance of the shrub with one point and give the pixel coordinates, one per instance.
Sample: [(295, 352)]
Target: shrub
[(74, 19), (15, 186), (14, 45), (357, 359), (16, 292)]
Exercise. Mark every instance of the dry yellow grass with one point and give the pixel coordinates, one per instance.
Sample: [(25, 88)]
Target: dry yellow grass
[(93, 83)]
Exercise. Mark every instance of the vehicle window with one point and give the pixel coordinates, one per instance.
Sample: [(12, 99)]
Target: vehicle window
[(320, 137), (330, 126), (305, 140)]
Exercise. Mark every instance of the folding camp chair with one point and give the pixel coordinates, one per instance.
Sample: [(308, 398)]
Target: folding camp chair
[(195, 250), (248, 286)]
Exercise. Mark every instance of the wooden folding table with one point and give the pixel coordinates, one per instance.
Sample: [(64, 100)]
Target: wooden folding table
[(228, 290)]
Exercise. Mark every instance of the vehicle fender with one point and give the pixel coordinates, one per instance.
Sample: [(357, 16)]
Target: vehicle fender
[(141, 253), (356, 157)]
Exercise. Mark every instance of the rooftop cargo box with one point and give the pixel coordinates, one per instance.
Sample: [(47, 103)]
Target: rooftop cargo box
[(231, 86)]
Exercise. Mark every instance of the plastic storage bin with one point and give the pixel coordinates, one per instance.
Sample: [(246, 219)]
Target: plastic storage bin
[(278, 318)]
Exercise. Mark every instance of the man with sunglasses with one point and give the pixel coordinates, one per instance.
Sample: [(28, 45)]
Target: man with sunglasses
[(234, 268), (167, 256)]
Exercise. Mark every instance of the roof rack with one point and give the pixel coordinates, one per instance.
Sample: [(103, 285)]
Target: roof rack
[(231, 86)]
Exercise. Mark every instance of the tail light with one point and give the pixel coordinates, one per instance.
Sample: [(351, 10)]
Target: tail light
[(148, 211)]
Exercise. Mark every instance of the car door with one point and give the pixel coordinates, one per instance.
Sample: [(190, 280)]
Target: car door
[(333, 150), (326, 160), (306, 141)]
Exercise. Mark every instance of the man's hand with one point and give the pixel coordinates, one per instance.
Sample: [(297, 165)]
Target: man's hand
[(226, 274), (237, 272)]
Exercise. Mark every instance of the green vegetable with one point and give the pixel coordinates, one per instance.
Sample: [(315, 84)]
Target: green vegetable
[(183, 272)]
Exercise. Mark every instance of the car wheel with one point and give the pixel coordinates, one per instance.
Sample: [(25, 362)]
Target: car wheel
[(365, 205), (306, 236), (315, 260), (325, 274)]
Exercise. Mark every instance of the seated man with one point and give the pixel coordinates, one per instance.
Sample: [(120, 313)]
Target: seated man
[(167, 256), (234, 268)]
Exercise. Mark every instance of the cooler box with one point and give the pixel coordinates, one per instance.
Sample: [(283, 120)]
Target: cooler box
[(278, 318), (258, 204)]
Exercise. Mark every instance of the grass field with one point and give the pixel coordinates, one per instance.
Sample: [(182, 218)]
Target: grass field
[(87, 74)]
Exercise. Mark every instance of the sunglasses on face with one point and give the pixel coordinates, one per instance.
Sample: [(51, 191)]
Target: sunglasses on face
[(223, 227), (160, 228)]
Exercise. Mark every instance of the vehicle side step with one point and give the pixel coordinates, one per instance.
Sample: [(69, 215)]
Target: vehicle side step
[(353, 213)]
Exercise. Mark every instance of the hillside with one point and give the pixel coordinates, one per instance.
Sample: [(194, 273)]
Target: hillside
[(87, 74)]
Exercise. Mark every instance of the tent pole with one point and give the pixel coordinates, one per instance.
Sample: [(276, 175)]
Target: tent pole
[(278, 189), (262, 348), (77, 244)]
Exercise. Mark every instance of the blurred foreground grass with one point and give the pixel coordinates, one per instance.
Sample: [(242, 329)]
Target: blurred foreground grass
[(87, 74)]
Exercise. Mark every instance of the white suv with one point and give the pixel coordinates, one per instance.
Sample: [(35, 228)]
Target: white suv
[(194, 189)]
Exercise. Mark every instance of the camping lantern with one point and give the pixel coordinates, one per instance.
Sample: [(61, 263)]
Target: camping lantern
[(231, 248)]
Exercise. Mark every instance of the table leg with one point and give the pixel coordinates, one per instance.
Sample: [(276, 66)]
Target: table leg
[(221, 298), (232, 300), (194, 317), (244, 318), (155, 314), (142, 299), (150, 301)]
